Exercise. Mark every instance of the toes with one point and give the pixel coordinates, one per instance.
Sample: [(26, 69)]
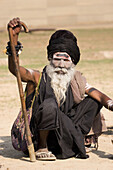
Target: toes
[(44, 155)]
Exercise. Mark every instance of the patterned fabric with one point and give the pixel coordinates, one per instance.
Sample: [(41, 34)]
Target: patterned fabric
[(18, 136)]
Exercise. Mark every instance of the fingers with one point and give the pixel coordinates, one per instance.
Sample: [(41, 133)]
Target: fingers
[(14, 22)]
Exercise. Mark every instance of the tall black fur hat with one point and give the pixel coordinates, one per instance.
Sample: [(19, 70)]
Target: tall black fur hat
[(64, 41)]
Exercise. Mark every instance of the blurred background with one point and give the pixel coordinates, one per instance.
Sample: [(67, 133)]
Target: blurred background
[(58, 13)]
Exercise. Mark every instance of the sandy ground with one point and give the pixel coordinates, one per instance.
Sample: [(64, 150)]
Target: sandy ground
[(11, 159)]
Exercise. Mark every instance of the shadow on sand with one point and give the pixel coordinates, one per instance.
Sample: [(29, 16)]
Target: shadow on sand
[(103, 154), (7, 150), (109, 131)]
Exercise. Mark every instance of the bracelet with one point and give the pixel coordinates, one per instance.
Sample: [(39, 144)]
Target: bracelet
[(18, 49), (110, 104)]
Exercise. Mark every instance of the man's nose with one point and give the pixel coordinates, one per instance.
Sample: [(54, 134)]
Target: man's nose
[(61, 64)]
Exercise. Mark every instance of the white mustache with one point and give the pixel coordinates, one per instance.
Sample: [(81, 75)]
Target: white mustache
[(57, 69)]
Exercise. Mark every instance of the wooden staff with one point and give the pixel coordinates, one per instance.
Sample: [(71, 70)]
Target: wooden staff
[(28, 133)]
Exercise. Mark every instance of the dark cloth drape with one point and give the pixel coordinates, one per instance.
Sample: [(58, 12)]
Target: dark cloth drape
[(68, 124)]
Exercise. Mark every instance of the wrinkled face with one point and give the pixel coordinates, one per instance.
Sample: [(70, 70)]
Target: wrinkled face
[(62, 60)]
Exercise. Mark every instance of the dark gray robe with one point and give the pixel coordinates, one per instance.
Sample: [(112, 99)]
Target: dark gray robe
[(68, 124)]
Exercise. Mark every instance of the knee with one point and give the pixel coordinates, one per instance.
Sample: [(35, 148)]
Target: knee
[(50, 104), (48, 107), (95, 105), (46, 115)]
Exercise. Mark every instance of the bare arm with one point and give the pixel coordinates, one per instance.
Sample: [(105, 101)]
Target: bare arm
[(100, 97), (26, 75)]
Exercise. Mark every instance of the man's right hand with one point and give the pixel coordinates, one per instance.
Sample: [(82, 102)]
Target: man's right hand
[(15, 24)]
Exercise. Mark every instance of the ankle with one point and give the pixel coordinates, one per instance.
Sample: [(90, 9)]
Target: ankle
[(42, 150), (42, 145)]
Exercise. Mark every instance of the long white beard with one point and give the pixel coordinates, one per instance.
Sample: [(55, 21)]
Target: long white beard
[(60, 82)]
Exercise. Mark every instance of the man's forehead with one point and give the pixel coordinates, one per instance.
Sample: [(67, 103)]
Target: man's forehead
[(63, 55)]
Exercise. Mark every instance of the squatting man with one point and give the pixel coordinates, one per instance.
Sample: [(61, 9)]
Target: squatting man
[(62, 116)]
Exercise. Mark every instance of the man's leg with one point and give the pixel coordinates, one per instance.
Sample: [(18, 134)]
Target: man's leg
[(46, 120), (42, 153), (91, 109), (84, 114), (42, 144)]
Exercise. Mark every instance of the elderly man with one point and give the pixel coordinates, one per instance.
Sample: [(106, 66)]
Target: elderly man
[(62, 115)]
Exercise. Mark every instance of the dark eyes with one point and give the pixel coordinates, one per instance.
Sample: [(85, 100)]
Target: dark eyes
[(66, 60)]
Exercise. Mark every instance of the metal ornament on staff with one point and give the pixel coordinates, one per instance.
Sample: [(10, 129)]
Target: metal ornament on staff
[(28, 133)]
